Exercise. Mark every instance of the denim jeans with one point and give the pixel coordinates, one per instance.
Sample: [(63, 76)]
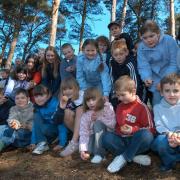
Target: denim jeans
[(47, 132), (168, 155), (128, 146)]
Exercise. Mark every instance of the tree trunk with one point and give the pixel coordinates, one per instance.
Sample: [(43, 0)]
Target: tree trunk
[(172, 19), (4, 47), (123, 16), (82, 25), (55, 11), (113, 15)]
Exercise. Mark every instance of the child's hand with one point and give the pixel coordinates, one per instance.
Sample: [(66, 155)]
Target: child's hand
[(84, 155), (94, 116), (70, 68), (148, 82), (126, 129), (15, 124), (63, 102), (3, 100), (172, 139)]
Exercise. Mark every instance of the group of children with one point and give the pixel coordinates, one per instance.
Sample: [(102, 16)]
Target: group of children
[(99, 97)]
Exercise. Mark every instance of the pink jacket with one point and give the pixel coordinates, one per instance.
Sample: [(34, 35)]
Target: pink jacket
[(106, 116)]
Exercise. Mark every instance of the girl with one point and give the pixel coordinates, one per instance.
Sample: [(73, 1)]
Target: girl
[(50, 69), (98, 116), (18, 80), (156, 57), (34, 74), (92, 70), (73, 111), (45, 127)]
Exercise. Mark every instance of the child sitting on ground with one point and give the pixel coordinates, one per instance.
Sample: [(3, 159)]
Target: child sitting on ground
[(166, 117), (18, 131), (98, 117), (134, 128)]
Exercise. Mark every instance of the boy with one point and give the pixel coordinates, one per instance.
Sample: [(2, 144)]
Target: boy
[(68, 64), (167, 122), (18, 131), (134, 128), (4, 73)]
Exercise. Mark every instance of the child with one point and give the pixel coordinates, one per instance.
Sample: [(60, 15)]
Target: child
[(68, 64), (51, 70), (134, 128), (104, 47), (73, 111), (18, 131), (5, 105), (92, 71), (156, 57), (98, 117), (45, 127), (4, 73), (166, 116)]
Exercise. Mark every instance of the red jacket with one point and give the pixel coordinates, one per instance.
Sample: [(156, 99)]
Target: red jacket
[(135, 114)]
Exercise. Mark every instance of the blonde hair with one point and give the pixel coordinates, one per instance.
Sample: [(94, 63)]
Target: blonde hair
[(70, 83), (55, 63), (93, 93), (125, 83), (119, 44)]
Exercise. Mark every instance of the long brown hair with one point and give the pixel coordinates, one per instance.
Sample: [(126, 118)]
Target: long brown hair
[(55, 63), (93, 93)]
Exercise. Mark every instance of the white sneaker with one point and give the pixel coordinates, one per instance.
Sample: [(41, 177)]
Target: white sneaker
[(41, 148), (118, 163), (96, 159), (143, 160)]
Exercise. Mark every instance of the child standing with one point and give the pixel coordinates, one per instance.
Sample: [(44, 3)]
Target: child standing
[(98, 117), (68, 64), (134, 128), (72, 113), (45, 127), (92, 70), (166, 116), (156, 57), (18, 131)]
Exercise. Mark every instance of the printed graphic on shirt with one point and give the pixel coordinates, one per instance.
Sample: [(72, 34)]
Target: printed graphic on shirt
[(131, 118)]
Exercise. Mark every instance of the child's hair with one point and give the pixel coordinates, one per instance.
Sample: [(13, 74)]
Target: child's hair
[(119, 44), (55, 63), (22, 91), (170, 79), (151, 26), (94, 43), (19, 69), (36, 61), (66, 45), (93, 93), (41, 90), (70, 83), (103, 39), (125, 83), (6, 70)]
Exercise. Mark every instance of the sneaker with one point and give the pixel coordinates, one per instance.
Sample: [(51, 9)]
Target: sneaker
[(143, 160), (70, 148), (41, 148), (118, 163), (96, 159), (2, 145)]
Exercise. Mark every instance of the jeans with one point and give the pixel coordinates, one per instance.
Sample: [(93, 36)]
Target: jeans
[(47, 132), (168, 155), (128, 146)]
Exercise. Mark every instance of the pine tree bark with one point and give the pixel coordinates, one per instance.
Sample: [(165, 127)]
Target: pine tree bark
[(123, 16), (172, 19), (113, 15)]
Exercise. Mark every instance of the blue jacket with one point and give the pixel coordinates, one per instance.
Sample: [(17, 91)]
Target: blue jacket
[(87, 74), (159, 61)]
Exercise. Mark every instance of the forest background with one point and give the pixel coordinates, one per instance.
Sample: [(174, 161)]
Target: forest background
[(26, 25)]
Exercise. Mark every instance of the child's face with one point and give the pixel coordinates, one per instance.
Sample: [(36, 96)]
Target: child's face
[(91, 103), (150, 38), (125, 96), (115, 30), (30, 64), (68, 92), (119, 55), (50, 56), (21, 100), (4, 75), (90, 51), (171, 93), (41, 99), (102, 46), (21, 76), (68, 53)]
